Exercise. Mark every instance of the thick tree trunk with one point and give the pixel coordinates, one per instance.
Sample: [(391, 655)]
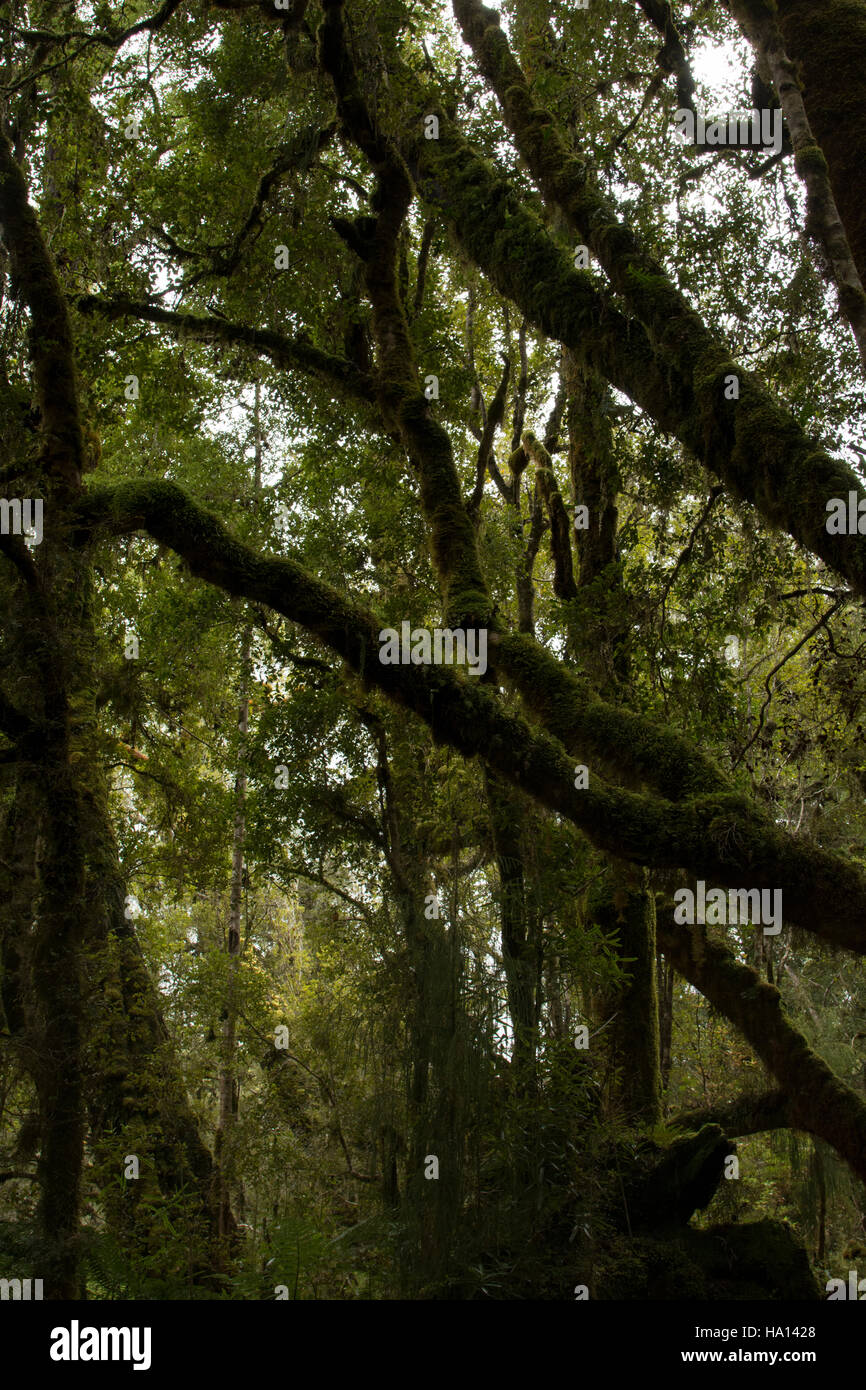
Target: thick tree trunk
[(51, 604), (760, 22), (826, 40)]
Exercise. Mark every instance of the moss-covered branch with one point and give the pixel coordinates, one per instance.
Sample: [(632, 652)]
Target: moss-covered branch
[(511, 245), (293, 354), (150, 25), (672, 56), (486, 459), (751, 1114), (672, 366), (615, 740), (560, 529), (452, 535), (720, 836), (293, 154), (622, 743), (638, 749), (566, 180), (818, 1101)]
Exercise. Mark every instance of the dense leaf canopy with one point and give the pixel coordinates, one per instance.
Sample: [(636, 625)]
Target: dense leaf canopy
[(326, 320)]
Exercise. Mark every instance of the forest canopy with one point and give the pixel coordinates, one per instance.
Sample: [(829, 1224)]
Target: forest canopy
[(432, 654)]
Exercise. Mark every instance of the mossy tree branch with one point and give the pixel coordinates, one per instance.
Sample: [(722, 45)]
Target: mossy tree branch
[(622, 743), (485, 459), (510, 244), (565, 703), (560, 529), (750, 1114), (672, 57), (452, 534), (532, 670), (292, 156), (287, 353), (105, 40), (818, 1101), (721, 836), (668, 363)]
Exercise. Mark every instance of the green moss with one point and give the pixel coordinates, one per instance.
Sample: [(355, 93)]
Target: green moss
[(587, 725), (810, 159)]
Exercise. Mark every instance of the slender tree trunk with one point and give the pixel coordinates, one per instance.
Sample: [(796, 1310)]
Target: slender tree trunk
[(632, 1039), (520, 944), (666, 977), (228, 1080), (18, 893)]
